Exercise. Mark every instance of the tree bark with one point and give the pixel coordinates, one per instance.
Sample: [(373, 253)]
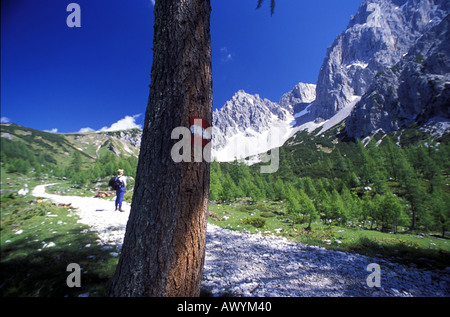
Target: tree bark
[(164, 245)]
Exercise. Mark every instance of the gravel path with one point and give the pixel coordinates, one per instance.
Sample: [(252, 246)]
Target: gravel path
[(242, 264), (97, 213)]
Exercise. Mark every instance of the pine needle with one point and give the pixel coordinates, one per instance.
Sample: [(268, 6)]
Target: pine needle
[(272, 6)]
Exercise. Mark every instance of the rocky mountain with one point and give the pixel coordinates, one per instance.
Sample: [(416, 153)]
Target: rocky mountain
[(389, 67), (298, 99), (416, 88), (248, 125), (377, 37)]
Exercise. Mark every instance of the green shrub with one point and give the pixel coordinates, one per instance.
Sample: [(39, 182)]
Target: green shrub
[(256, 222), (245, 208), (263, 207), (266, 214)]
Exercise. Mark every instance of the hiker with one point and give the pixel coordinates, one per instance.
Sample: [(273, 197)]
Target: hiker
[(120, 192)]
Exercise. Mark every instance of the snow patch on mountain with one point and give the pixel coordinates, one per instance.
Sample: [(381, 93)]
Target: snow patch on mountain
[(248, 125), (249, 143), (340, 115)]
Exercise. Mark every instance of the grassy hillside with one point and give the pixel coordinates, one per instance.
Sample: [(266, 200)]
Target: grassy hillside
[(85, 158), (425, 250), (37, 146), (58, 148)]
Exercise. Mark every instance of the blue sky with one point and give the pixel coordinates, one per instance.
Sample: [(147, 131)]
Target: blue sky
[(95, 77)]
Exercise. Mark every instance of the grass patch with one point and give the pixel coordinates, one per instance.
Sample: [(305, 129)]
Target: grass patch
[(38, 241), (64, 188), (423, 250), (267, 216)]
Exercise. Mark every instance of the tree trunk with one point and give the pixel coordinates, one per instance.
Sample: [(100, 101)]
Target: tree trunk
[(413, 218), (164, 246)]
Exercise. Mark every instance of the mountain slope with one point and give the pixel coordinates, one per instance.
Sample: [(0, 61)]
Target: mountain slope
[(58, 148), (248, 125), (417, 88), (377, 37), (125, 142)]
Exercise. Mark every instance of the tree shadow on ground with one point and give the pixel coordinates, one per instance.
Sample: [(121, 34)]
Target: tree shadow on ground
[(29, 270)]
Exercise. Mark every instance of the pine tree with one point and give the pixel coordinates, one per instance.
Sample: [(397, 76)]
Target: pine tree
[(367, 167), (292, 198), (379, 182), (351, 204), (416, 196), (353, 180), (440, 210), (368, 210), (254, 193), (341, 162), (307, 207), (76, 162), (390, 154), (229, 189), (323, 204), (279, 190), (338, 208), (269, 187), (389, 211), (215, 185), (309, 188), (260, 185)]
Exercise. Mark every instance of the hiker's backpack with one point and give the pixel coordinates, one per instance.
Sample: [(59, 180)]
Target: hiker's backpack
[(115, 183)]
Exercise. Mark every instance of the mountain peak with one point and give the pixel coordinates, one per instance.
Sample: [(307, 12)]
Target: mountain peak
[(377, 37), (243, 124)]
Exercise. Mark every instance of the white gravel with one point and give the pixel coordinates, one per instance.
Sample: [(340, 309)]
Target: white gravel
[(242, 264)]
